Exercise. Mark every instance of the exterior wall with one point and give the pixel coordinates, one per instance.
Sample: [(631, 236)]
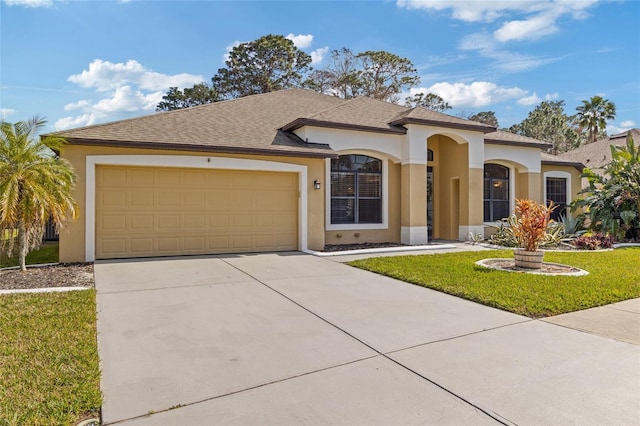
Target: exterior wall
[(389, 234), (528, 186), (72, 240)]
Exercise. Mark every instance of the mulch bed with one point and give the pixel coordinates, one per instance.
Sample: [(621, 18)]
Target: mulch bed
[(62, 275), (363, 246), (547, 268)]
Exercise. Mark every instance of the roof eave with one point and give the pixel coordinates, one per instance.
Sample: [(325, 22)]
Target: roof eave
[(542, 145), (579, 166), (201, 148), (459, 126), (301, 122)]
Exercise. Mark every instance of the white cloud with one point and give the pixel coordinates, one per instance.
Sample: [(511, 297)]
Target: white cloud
[(301, 41), (628, 123), (613, 129), (535, 18), (530, 100), (501, 59), (77, 105), (122, 89), (528, 29), (105, 75), (473, 11), (551, 96), (474, 95), (79, 121), (318, 55), (228, 50), (29, 3), (5, 112)]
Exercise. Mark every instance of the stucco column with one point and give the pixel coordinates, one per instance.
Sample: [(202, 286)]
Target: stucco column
[(413, 199), (472, 192), (472, 206)]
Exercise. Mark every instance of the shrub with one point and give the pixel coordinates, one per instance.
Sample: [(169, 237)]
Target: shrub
[(530, 228), (593, 241)]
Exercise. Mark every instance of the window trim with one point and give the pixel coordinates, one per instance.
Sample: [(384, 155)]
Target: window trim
[(384, 196), (561, 175), (512, 190)]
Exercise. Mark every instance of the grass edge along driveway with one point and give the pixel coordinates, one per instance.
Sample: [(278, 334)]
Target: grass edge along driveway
[(49, 371), (613, 276)]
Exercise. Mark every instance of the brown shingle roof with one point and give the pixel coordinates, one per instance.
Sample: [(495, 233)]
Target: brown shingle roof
[(500, 137), (420, 115), (358, 114), (264, 124), (248, 124), (597, 154), (551, 159)]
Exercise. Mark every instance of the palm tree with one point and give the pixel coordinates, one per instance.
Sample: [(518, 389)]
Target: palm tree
[(594, 113), (35, 186)]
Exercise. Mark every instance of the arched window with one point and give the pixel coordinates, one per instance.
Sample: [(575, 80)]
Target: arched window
[(356, 189), (496, 192)]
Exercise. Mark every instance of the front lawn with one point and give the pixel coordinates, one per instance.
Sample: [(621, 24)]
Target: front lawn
[(49, 372), (47, 253), (613, 276)]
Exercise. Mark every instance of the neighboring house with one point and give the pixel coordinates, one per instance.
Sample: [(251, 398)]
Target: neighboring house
[(597, 154), (295, 170)]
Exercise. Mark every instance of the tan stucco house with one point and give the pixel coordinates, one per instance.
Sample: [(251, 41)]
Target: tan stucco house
[(295, 170)]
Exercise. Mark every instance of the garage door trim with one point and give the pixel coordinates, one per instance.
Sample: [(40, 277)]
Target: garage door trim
[(184, 161)]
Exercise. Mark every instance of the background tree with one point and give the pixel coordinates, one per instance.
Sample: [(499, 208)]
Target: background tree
[(377, 74), (548, 122), (267, 64), (427, 100), (486, 117), (199, 94), (593, 115), (341, 76), (35, 185), (385, 75)]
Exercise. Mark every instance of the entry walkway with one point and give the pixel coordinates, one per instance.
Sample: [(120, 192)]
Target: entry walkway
[(290, 338)]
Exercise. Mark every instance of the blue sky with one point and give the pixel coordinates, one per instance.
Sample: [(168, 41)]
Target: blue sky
[(87, 62)]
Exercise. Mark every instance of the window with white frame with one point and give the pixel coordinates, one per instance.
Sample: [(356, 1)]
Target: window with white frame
[(496, 192), (557, 192), (356, 190)]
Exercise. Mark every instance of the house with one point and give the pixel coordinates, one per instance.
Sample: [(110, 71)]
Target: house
[(295, 170), (597, 154)]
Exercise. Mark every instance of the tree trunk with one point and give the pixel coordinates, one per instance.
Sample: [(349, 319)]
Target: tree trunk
[(22, 246)]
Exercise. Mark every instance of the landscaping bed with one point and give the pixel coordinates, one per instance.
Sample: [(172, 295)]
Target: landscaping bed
[(63, 275)]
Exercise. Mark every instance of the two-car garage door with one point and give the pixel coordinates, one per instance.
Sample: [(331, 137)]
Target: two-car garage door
[(154, 211)]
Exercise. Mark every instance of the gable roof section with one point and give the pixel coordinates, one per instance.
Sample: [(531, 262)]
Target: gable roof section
[(595, 155), (363, 113), (247, 125), (557, 160), (418, 115), (500, 137)]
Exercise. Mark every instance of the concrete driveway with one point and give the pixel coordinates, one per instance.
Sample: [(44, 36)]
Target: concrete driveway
[(289, 338)]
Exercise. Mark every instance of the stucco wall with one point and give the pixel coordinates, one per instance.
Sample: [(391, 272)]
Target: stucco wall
[(72, 240)]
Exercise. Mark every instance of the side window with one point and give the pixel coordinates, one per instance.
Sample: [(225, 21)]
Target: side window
[(557, 192), (356, 189), (496, 192)]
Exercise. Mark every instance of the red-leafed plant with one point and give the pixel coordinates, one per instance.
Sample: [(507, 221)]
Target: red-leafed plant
[(531, 225)]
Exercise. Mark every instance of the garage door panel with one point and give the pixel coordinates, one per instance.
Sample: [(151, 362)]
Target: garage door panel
[(150, 212)]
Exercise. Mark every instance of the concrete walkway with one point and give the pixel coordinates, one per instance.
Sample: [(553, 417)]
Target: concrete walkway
[(289, 338)]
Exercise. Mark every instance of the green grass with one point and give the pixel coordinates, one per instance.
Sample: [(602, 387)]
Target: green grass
[(613, 276), (49, 372), (47, 253)]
